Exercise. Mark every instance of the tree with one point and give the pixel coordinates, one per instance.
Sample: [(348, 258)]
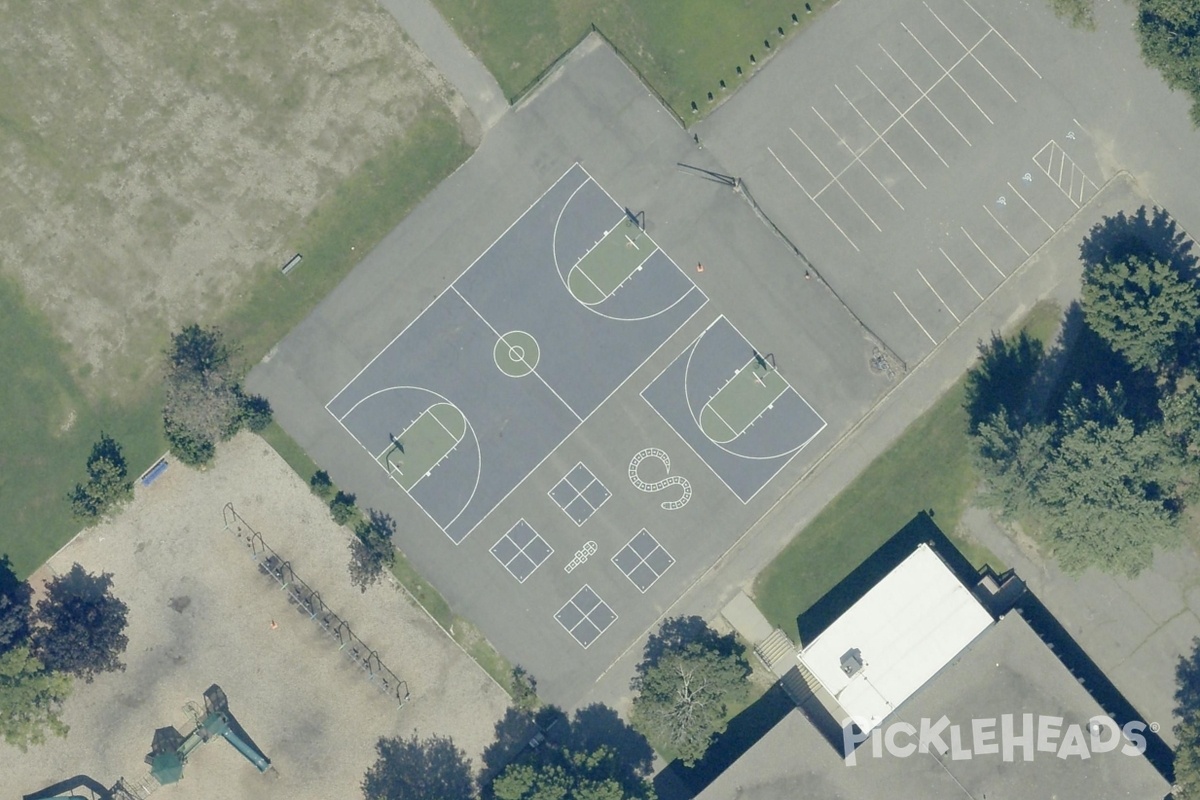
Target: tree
[(108, 481), (524, 689), (205, 404), (1077, 13), (31, 699), (1181, 419), (342, 508), (409, 769), (1169, 34), (1143, 307), (1001, 379), (1187, 730), (15, 607), (683, 684), (371, 550), (577, 776), (79, 625)]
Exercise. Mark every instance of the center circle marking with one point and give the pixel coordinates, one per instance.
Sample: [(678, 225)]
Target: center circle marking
[(516, 354)]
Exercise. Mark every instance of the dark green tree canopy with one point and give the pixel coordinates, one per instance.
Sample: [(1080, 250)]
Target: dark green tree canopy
[(31, 699), (371, 550), (1169, 34), (1187, 730), (412, 769), (15, 607), (79, 626), (108, 482), (687, 677)]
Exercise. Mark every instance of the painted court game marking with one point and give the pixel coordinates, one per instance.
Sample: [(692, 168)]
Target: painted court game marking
[(643, 560), (585, 616), (522, 550), (659, 485), (579, 494), (424, 444)]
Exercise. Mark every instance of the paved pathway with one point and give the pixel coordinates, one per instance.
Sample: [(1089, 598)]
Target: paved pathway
[(441, 44)]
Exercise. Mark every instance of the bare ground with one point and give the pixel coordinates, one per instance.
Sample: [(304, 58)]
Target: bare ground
[(200, 612), (153, 155)]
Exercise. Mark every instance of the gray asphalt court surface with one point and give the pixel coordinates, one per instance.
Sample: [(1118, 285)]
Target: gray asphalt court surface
[(781, 425), (653, 516), (521, 359)]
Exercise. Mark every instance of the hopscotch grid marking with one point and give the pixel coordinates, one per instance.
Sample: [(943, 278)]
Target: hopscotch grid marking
[(953, 80), (813, 199), (963, 45), (982, 252), (910, 125)]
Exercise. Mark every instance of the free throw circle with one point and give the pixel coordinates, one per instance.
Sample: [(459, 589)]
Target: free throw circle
[(517, 354)]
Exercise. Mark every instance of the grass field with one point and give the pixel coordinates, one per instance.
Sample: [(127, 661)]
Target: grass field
[(683, 49), (929, 467), (54, 421)]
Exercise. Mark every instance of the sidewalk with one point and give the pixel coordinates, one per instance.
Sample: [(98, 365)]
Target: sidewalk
[(441, 45)]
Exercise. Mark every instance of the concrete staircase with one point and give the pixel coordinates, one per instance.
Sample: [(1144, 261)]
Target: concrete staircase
[(774, 649), (799, 683)]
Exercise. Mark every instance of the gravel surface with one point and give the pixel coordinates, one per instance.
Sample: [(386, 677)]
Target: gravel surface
[(200, 612)]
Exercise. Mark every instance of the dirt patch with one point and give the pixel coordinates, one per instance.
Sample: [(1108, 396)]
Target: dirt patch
[(153, 155), (200, 612)]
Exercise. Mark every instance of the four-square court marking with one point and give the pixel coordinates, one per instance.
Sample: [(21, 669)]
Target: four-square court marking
[(585, 616), (643, 560), (522, 550), (580, 494)]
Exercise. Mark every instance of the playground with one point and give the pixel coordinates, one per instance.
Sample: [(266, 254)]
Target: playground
[(301, 712)]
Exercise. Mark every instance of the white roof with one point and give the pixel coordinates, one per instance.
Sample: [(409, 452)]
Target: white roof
[(906, 628)]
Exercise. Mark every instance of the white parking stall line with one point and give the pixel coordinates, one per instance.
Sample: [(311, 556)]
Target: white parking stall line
[(977, 61), (914, 319), (1006, 41), (889, 146), (1051, 151), (960, 273), (871, 172), (1031, 208), (813, 199), (836, 179), (982, 252), (952, 78), (945, 305), (1006, 230), (904, 114)]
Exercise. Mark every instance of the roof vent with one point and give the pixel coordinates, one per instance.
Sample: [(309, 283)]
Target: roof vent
[(852, 662)]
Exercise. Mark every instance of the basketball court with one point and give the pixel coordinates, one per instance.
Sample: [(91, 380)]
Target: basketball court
[(516, 354)]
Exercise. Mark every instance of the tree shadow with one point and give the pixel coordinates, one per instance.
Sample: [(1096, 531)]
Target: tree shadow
[(1187, 680), (1000, 381), (676, 633), (15, 606), (678, 782), (1142, 235), (598, 725), (513, 733)]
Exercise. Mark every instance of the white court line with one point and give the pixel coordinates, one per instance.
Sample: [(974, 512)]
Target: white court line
[(1031, 208), (885, 141), (815, 202), (924, 95), (851, 151), (915, 129), (977, 61), (501, 337), (1006, 230), (1006, 41), (981, 252), (836, 179), (464, 272), (952, 78), (724, 422), (960, 273), (914, 319), (939, 297)]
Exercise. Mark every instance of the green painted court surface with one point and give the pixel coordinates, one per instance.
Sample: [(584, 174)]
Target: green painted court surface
[(423, 444), (606, 266), (741, 401)]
